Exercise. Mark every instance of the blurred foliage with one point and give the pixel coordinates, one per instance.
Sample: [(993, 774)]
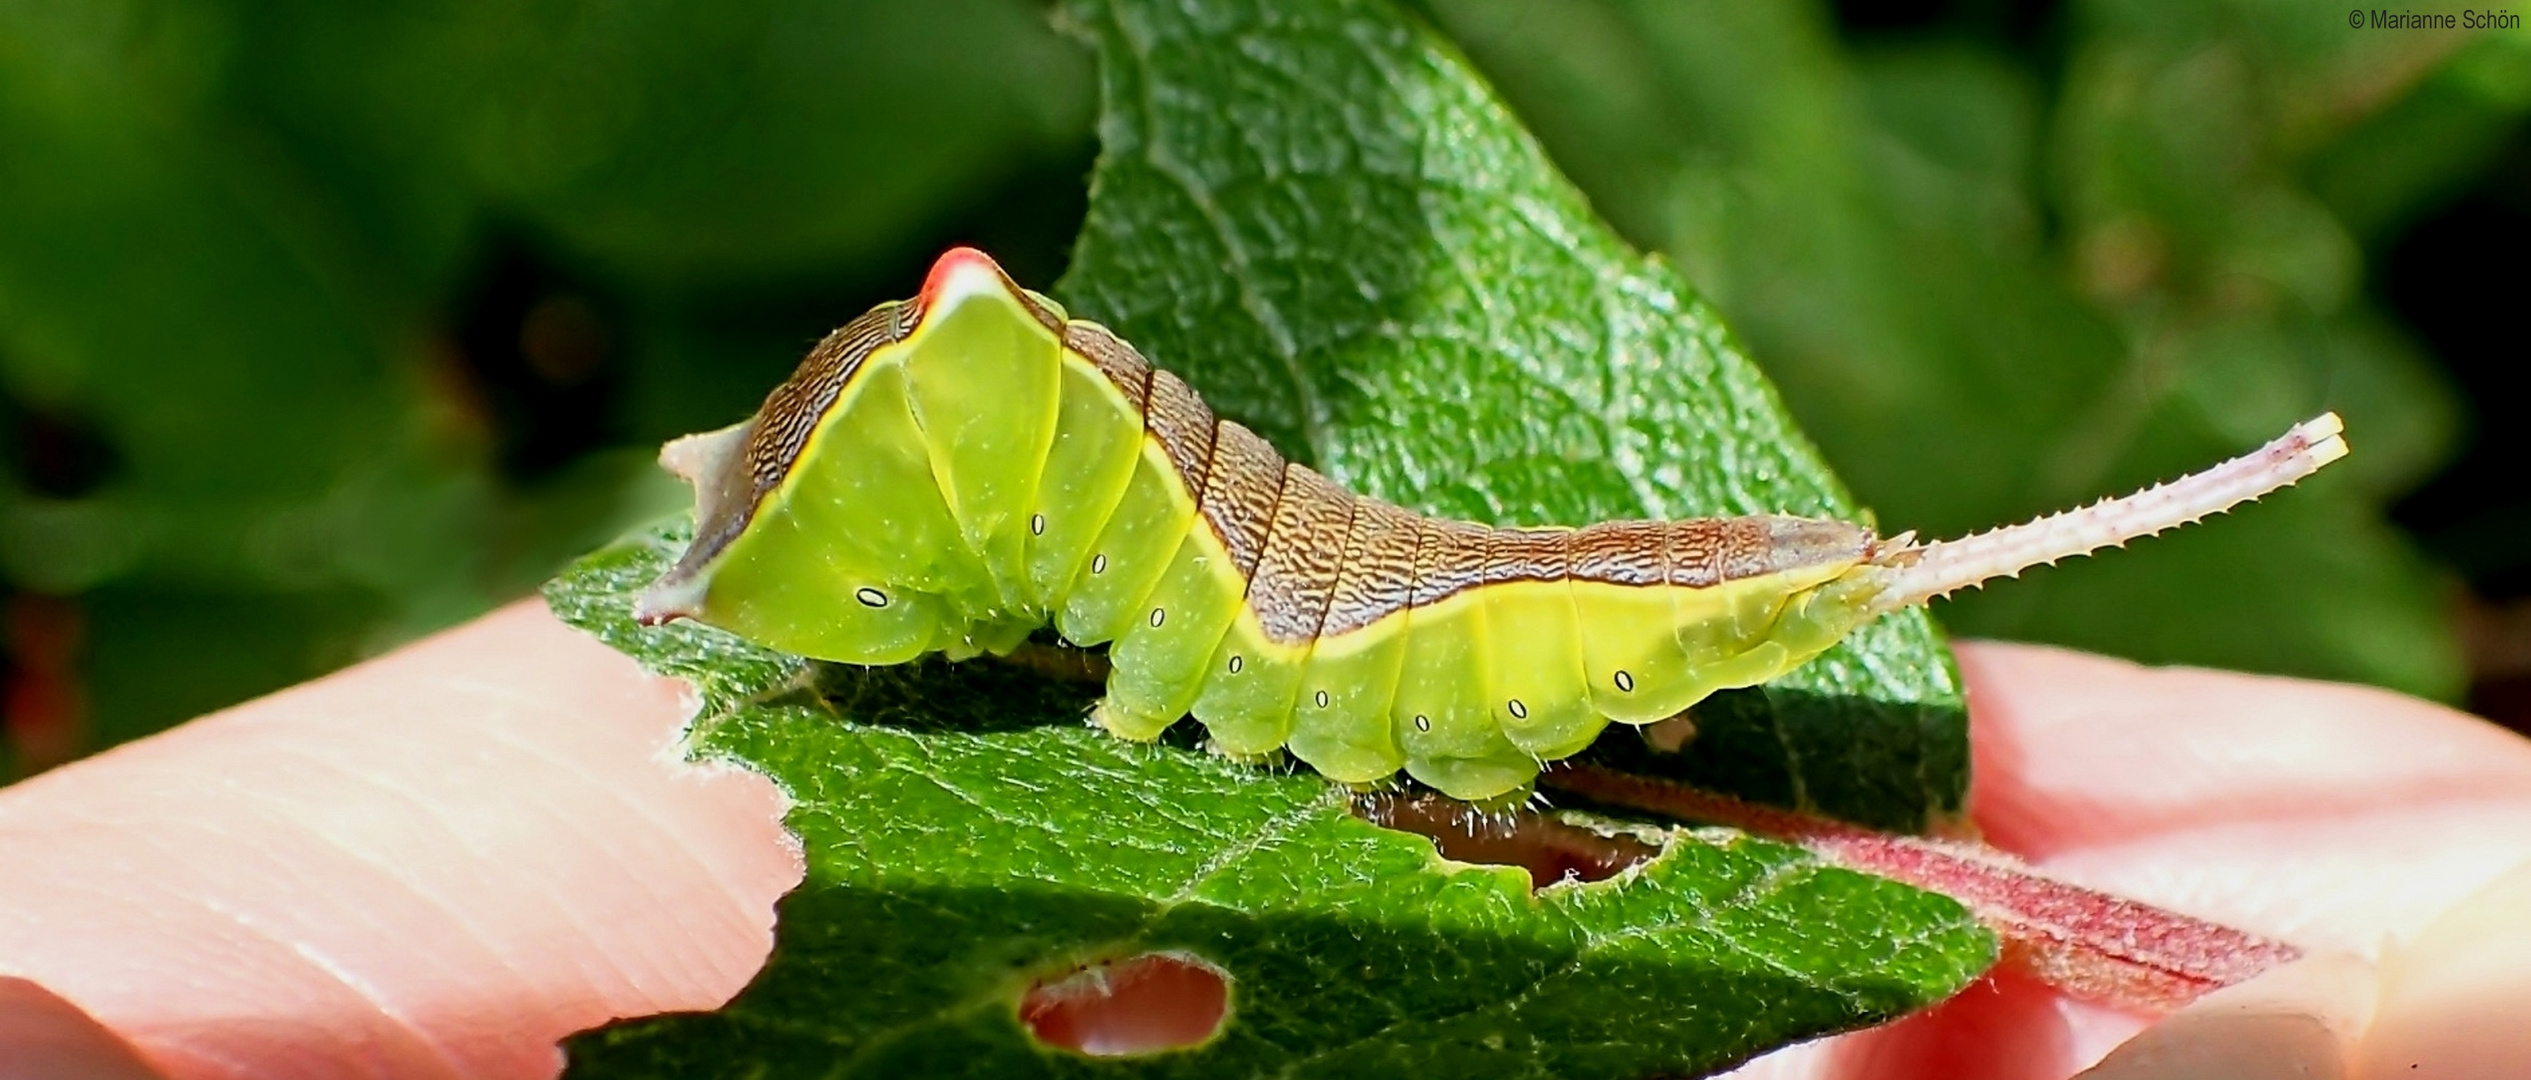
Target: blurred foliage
[(1996, 280), (323, 325)]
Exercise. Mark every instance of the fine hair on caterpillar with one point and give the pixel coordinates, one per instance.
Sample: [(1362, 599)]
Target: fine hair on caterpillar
[(953, 472)]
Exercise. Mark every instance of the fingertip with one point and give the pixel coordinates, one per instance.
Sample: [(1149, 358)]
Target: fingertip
[(442, 861), (2074, 749), (2456, 1000), (2006, 1026), (43, 1037)]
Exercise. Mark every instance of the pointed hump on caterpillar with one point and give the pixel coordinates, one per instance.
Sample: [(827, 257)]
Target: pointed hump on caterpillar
[(733, 470)]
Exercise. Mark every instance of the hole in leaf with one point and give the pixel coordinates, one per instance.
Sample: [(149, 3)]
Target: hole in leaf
[(1550, 849), (1144, 1004)]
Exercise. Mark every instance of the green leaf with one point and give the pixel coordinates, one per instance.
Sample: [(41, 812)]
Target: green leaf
[(1326, 223), (1418, 304), (966, 833)]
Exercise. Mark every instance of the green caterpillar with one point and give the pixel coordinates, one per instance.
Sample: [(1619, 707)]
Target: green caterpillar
[(955, 471)]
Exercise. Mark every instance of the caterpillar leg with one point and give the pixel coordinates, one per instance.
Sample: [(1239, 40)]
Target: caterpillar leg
[(1342, 723), (1340, 720), (1250, 685), (1159, 658), (997, 637), (1536, 690), (1253, 684)]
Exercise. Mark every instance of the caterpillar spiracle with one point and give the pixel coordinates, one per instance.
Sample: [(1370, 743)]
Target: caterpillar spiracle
[(952, 472)]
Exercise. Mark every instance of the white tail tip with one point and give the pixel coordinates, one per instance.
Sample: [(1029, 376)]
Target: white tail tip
[(1917, 574), (2322, 439)]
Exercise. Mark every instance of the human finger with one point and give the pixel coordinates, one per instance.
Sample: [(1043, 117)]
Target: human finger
[(2456, 999), (2323, 814), (436, 863), (43, 1036)]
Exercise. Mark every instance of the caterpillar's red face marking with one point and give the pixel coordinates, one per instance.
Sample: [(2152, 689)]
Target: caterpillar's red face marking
[(953, 262), (966, 271)]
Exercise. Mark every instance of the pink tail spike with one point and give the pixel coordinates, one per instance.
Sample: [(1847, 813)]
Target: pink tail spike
[(1916, 575)]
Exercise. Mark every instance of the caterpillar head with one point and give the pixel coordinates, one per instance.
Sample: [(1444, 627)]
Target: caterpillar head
[(735, 470), (724, 499)]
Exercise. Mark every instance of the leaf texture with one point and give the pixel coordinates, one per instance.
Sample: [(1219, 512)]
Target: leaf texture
[(967, 835), (1320, 216)]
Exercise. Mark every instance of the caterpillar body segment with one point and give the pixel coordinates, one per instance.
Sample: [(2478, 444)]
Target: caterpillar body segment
[(1349, 685), (1088, 466), (950, 473)]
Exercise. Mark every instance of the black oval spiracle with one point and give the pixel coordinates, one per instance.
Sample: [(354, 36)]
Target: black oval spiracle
[(1625, 682), (870, 597)]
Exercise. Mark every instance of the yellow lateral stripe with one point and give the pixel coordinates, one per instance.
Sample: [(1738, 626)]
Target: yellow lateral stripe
[(1709, 601)]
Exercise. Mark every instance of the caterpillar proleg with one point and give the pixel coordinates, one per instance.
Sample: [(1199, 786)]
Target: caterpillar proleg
[(952, 472)]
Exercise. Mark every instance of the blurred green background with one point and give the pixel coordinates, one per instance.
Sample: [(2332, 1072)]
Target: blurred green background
[(326, 325)]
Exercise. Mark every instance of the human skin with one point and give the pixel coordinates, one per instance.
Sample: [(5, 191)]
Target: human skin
[(442, 861)]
